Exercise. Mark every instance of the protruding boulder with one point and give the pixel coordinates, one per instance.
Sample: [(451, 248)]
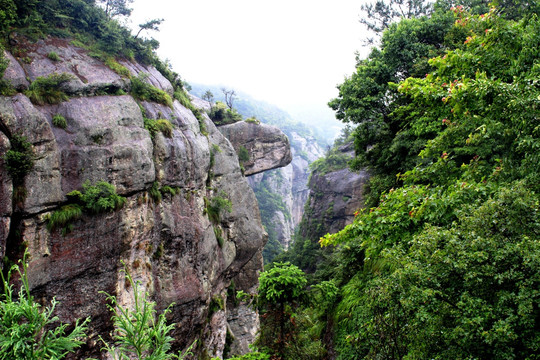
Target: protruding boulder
[(268, 147), (14, 73)]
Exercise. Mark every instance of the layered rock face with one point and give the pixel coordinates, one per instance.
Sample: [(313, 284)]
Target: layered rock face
[(171, 246)]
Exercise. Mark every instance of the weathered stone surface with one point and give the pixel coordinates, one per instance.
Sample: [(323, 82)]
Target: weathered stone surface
[(15, 73), (200, 103), (21, 117), (90, 75), (105, 140), (5, 179), (182, 160), (268, 146), (6, 189), (242, 319)]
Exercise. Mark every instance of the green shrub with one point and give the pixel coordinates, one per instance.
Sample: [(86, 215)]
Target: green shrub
[(160, 125), (53, 56), (116, 67), (154, 192), (59, 121), (216, 206), (222, 115), (216, 304), (183, 98), (5, 87), (28, 330), (47, 90), (243, 154), (94, 199), (64, 217), (253, 120), (146, 92), (165, 127), (141, 333), (219, 236), (252, 356), (19, 159), (101, 197), (169, 190)]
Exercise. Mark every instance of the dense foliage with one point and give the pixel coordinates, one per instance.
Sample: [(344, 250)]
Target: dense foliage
[(445, 262), (27, 329)]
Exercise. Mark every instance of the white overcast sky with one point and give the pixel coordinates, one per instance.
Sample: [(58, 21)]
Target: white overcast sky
[(291, 53)]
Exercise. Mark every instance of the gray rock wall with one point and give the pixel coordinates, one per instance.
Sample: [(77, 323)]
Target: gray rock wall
[(169, 246)]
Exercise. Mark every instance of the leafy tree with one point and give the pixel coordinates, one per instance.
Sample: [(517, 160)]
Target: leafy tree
[(8, 16), (382, 13), (30, 331), (445, 265), (208, 96), (117, 7), (281, 290), (149, 25)]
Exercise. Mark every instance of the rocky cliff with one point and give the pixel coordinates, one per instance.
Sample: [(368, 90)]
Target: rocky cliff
[(169, 243), (334, 197)]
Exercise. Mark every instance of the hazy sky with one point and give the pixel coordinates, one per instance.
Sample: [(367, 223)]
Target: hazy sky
[(291, 53)]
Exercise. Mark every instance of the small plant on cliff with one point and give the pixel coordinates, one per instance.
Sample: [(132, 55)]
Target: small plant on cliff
[(140, 332), (116, 67), (243, 154), (155, 194), (221, 114), (28, 330), (160, 125), (59, 121), (217, 206), (5, 86), (94, 199), (53, 56), (64, 217), (146, 92), (47, 90), (99, 198), (253, 120), (19, 159)]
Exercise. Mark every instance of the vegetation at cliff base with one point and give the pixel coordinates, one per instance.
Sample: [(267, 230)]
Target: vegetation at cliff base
[(30, 331)]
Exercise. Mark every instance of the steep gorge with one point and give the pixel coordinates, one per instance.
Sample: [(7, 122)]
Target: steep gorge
[(171, 245)]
